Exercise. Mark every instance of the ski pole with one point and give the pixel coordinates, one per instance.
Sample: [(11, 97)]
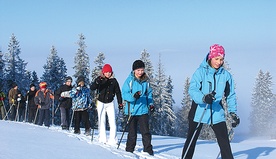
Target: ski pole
[(71, 119), (17, 112), (4, 109), (94, 118), (128, 121), (57, 108), (8, 112), (35, 115), (118, 116), (198, 124), (27, 101)]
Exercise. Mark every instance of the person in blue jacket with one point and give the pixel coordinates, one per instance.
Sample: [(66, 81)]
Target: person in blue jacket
[(209, 84), (137, 93), (81, 102)]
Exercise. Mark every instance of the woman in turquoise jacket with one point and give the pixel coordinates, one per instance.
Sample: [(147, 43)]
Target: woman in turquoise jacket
[(138, 96), (209, 84)]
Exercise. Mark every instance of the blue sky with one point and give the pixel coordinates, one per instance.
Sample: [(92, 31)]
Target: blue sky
[(180, 31)]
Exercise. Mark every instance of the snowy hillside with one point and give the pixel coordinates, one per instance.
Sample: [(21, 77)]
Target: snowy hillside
[(23, 140)]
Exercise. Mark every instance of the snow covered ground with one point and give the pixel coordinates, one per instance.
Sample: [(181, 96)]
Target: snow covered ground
[(23, 141)]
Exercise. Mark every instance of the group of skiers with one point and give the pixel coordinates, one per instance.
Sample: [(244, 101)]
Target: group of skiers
[(209, 85)]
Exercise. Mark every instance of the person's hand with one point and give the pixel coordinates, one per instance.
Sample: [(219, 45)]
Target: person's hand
[(18, 99), (121, 106), (137, 95), (209, 98), (236, 119), (38, 106), (78, 88), (151, 108)]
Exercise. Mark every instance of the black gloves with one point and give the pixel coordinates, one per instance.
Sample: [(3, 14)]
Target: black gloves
[(236, 119), (208, 98), (151, 108), (121, 106), (137, 95)]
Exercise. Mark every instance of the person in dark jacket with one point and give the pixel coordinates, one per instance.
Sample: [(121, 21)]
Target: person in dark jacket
[(43, 100), (65, 103), (21, 106), (209, 85), (107, 87), (2, 104), (31, 106), (137, 92), (13, 101)]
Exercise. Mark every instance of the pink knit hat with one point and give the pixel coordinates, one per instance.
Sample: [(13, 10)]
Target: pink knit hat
[(216, 50)]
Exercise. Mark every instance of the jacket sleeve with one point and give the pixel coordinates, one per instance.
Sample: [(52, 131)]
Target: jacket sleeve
[(150, 100), (126, 91), (195, 86), (118, 92), (231, 98)]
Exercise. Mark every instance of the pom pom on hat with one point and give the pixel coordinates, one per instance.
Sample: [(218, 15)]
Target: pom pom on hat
[(216, 50), (138, 64), (107, 68), (42, 85)]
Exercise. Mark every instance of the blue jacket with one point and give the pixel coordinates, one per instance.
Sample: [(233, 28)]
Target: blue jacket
[(130, 87), (81, 99), (205, 80)]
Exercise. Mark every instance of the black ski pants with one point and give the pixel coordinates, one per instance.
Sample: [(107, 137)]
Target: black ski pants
[(221, 133), (44, 117), (143, 122), (31, 115), (81, 116)]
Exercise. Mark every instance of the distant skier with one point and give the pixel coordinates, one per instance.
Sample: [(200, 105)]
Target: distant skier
[(208, 85), (31, 104), (43, 100), (65, 103), (13, 101), (2, 105)]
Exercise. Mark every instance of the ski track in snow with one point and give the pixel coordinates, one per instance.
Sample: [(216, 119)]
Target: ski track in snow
[(138, 153)]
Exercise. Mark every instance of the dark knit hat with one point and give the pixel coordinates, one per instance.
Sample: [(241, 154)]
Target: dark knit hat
[(68, 78), (14, 85), (32, 85), (138, 64), (107, 68), (80, 78)]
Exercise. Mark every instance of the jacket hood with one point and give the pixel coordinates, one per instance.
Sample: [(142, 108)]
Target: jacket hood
[(204, 64), (143, 78)]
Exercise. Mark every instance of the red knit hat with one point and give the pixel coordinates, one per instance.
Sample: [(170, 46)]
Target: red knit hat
[(216, 50), (107, 68), (42, 85)]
